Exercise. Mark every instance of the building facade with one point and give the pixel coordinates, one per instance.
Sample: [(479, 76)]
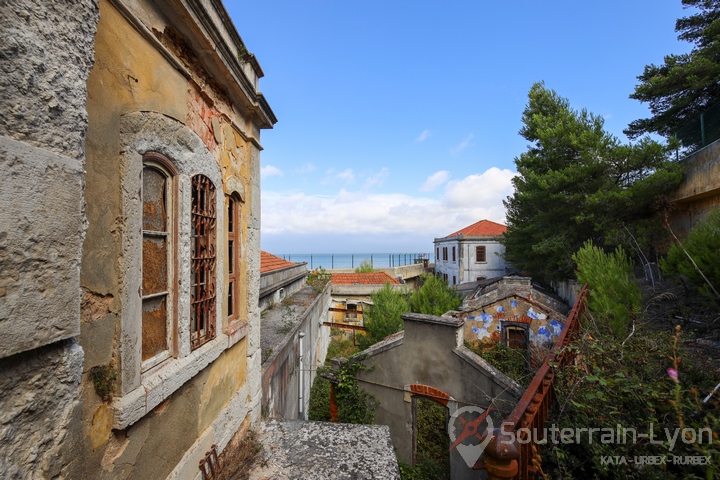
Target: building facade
[(134, 286), (471, 254)]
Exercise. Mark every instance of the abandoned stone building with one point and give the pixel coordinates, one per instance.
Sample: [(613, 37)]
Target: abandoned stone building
[(129, 318), (429, 361), (471, 254)]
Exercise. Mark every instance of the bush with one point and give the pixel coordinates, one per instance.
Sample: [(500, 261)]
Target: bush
[(319, 408), (703, 245), (318, 278), (365, 267), (434, 297), (627, 384), (511, 362), (614, 295), (383, 317)]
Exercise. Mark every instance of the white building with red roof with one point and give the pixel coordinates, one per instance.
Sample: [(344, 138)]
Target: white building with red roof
[(471, 254)]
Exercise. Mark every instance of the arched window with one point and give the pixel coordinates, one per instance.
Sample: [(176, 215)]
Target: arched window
[(233, 251), (202, 265), (157, 259)]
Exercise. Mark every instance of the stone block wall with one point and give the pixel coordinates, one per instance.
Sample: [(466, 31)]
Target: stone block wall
[(46, 53)]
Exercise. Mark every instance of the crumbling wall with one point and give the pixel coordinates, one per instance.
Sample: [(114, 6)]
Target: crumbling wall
[(46, 53), (38, 391)]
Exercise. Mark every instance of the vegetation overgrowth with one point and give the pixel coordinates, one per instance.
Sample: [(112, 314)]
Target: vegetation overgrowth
[(638, 384)]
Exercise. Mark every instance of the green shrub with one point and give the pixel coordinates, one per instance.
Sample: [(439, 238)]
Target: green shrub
[(703, 245), (434, 297), (319, 408), (382, 318), (510, 361), (365, 267), (614, 296), (318, 278)]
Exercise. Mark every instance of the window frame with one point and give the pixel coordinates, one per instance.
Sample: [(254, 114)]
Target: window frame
[(234, 241), (478, 249), (162, 164)]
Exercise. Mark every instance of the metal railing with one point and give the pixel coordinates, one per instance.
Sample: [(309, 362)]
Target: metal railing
[(701, 131), (521, 460), (352, 260)]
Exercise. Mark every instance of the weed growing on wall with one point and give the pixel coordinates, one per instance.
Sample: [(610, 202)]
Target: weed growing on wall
[(365, 267), (354, 404), (317, 279), (512, 362)]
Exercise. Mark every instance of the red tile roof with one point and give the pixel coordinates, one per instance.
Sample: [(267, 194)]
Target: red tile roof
[(374, 278), (482, 228), (269, 262)]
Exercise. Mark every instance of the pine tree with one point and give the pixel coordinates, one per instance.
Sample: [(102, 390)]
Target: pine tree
[(576, 183), (684, 86)]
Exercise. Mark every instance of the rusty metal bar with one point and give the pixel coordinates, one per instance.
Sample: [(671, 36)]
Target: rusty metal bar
[(344, 326), (532, 410), (203, 256)]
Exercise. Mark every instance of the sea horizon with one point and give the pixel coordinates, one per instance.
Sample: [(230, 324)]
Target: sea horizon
[(332, 261)]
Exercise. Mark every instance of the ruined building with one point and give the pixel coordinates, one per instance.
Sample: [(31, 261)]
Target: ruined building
[(129, 237)]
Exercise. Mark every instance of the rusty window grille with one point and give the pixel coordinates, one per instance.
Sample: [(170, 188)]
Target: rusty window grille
[(480, 254), (202, 287), (210, 465), (157, 258), (233, 257)]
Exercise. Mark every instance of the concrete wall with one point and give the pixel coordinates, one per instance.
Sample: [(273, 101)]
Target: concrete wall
[(699, 192), (46, 50), (445, 364), (282, 388), (289, 280)]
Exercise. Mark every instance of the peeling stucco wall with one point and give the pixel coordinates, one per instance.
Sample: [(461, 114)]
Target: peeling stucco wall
[(151, 92)]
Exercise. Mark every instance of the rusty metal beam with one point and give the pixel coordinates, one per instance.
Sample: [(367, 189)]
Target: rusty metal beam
[(344, 326)]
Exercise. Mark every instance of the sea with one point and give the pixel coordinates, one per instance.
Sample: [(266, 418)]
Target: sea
[(331, 261)]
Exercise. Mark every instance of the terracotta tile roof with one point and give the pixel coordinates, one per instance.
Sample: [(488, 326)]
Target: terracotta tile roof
[(483, 228), (269, 262), (374, 278)]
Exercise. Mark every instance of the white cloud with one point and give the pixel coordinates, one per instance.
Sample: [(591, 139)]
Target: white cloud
[(435, 180), (462, 145), (270, 171), (311, 219), (423, 136), (346, 175), (377, 179), (307, 168)]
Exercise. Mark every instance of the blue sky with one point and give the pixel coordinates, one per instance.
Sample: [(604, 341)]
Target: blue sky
[(398, 120)]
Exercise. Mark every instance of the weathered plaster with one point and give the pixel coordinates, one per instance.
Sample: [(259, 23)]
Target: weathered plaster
[(38, 393), (41, 234), (47, 52), (485, 324)]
